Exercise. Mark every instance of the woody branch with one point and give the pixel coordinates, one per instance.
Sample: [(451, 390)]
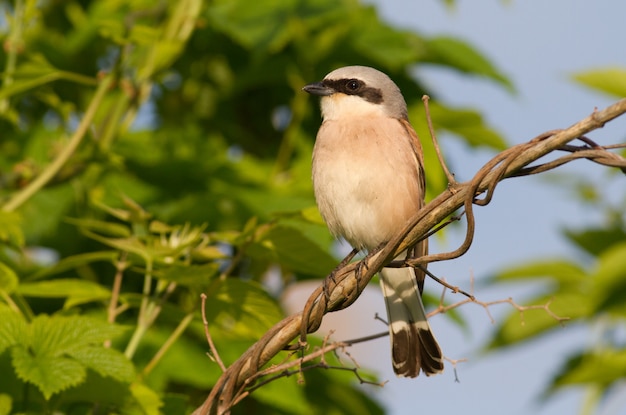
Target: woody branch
[(349, 281)]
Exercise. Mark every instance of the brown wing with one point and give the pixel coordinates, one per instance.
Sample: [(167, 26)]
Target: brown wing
[(421, 248)]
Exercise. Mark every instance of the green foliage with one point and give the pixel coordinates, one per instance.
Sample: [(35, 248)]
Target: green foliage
[(589, 290), (54, 353), (597, 368), (590, 294), (153, 152), (462, 57), (611, 81)]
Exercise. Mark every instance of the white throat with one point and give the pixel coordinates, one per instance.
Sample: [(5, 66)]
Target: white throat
[(341, 106)]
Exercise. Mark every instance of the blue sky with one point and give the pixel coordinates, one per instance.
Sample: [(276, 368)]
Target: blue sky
[(538, 44)]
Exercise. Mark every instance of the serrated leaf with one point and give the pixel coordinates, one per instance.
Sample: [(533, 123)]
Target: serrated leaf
[(611, 81), (459, 55), (8, 279), (56, 351), (74, 290), (107, 362), (243, 307), (13, 329), (49, 373), (63, 334)]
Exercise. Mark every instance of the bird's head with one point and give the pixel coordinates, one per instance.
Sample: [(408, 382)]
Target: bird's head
[(358, 91)]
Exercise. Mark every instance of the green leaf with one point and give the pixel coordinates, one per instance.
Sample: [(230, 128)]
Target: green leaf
[(186, 362), (341, 398), (75, 261), (243, 307), (8, 279), (292, 249), (51, 374), (384, 44), (285, 395), (312, 214), (148, 400), (611, 81), (463, 122), (568, 297), (600, 368), (519, 326), (6, 404), (193, 275), (253, 24), (74, 290), (104, 390), (609, 284), (459, 55), (56, 351), (314, 394), (36, 73), (13, 329), (107, 362), (10, 228), (567, 273), (102, 227), (132, 245), (597, 240)]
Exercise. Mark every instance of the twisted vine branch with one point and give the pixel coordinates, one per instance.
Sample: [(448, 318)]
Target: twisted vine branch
[(349, 280)]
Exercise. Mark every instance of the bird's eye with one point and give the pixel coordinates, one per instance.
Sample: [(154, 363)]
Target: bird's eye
[(353, 84)]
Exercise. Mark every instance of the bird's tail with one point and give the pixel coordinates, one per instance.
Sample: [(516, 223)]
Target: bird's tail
[(413, 345)]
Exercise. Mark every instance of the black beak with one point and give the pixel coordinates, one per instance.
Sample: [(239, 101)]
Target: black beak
[(318, 88)]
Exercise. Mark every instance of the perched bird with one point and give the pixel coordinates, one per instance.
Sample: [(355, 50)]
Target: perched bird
[(368, 178)]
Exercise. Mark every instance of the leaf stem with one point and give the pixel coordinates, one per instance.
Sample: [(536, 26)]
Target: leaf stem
[(143, 320), (49, 172), (184, 323)]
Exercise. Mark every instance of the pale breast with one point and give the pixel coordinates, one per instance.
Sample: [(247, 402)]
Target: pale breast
[(366, 180)]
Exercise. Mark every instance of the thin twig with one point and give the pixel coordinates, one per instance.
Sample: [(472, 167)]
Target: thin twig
[(215, 356), (120, 267), (451, 180), (178, 331), (291, 367)]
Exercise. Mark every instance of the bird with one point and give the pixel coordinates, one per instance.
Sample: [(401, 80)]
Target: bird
[(368, 181)]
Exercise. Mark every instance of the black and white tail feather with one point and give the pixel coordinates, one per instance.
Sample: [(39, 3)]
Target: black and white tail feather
[(413, 345)]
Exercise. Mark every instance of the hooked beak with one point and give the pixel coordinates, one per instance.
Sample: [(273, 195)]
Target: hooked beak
[(319, 89)]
